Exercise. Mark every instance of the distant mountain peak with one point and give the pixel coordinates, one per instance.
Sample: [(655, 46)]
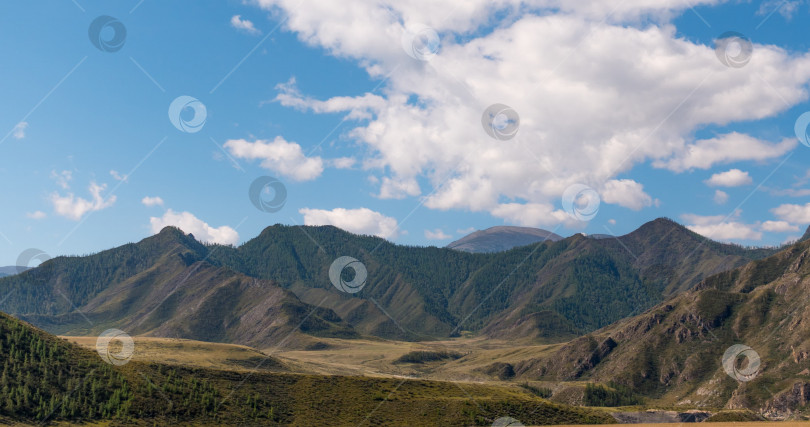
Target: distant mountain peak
[(501, 238)]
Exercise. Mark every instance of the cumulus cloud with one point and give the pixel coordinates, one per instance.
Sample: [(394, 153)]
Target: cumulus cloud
[(730, 178), (19, 130), (152, 201), (727, 231), (74, 208), (719, 227), (189, 223), (732, 147), (587, 114), (437, 234), (531, 214), (627, 193), (720, 197), (779, 226), (796, 214), (280, 156), (244, 25), (358, 221)]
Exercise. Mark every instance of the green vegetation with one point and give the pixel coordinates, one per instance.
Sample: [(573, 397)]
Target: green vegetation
[(428, 356), (46, 379), (610, 396), (543, 392)]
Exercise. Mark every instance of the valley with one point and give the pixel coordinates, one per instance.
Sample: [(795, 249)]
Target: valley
[(196, 311)]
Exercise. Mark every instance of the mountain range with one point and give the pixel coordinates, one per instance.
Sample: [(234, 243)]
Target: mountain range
[(502, 238), (171, 285), (739, 339), (11, 270)]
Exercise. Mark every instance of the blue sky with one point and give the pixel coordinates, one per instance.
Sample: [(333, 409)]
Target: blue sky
[(630, 101)]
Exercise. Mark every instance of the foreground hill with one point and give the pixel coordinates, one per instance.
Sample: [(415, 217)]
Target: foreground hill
[(502, 238), (675, 351), (257, 294), (47, 379)]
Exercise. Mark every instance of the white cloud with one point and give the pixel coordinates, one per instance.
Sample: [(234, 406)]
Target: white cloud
[(732, 147), (118, 176), (730, 178), (612, 221), (719, 227), (627, 193), (587, 113), (357, 107), (720, 197), (62, 178), (779, 226), (437, 234), (796, 214), (74, 208), (358, 221), (786, 8), (280, 156), (343, 162), (244, 25), (531, 214), (189, 223), (36, 215), (152, 201), (19, 130)]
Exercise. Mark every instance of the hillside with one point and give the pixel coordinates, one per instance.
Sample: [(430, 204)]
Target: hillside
[(157, 287), (171, 285), (675, 352), (46, 379), (502, 238)]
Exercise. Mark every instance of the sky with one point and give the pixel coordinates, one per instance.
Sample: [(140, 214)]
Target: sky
[(416, 121)]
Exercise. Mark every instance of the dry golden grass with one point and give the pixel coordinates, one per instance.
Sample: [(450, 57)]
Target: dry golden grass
[(187, 352)]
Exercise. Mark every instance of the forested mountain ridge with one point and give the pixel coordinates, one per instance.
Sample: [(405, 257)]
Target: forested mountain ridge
[(549, 289), (161, 286)]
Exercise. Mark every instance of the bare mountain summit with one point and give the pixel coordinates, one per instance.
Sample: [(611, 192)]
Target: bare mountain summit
[(502, 238)]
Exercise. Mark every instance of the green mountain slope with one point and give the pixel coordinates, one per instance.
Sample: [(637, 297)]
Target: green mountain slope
[(158, 287), (675, 351), (171, 285)]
